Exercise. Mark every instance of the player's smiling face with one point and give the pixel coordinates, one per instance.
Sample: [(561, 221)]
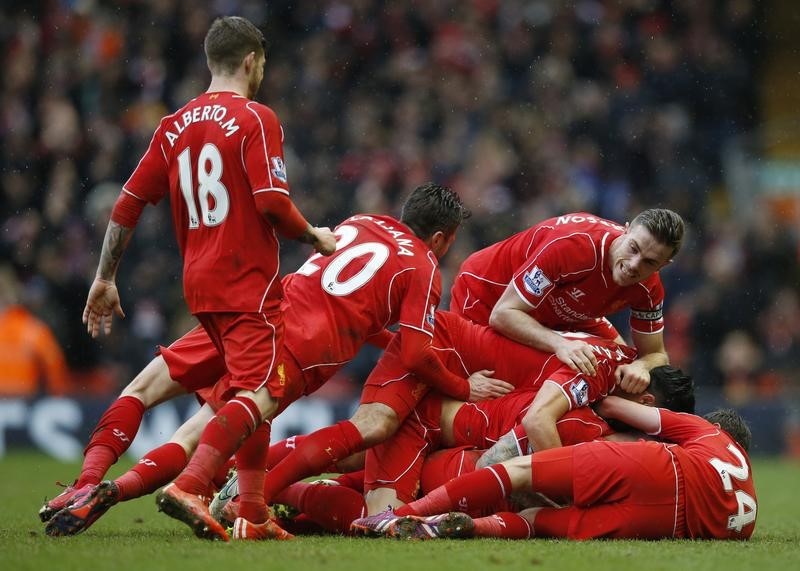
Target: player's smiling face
[(636, 255)]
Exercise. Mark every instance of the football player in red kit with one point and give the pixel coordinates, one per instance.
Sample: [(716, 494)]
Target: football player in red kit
[(382, 273), (696, 484), (220, 158), (567, 274)]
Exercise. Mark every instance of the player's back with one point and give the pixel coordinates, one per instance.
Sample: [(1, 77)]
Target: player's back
[(380, 275), (499, 262), (217, 149), (466, 347), (718, 479)]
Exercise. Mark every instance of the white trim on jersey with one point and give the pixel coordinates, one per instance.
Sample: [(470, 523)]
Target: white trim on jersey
[(482, 279), (661, 330), (315, 365), (561, 388), (274, 356), (422, 449), (125, 190), (425, 331), (263, 138), (677, 489), (431, 258), (603, 257), (273, 189)]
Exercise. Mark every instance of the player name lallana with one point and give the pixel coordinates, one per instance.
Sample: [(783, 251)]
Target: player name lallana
[(404, 245), (214, 113)]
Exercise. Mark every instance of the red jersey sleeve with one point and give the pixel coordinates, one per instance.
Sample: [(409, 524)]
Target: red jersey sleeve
[(262, 151), (680, 427), (422, 295), (150, 179), (552, 262), (581, 389), (647, 312)]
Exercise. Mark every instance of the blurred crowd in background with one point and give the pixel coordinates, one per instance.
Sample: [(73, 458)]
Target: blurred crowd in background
[(527, 108)]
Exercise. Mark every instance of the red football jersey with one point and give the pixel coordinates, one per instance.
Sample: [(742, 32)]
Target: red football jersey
[(482, 423), (381, 274), (466, 347), (560, 268), (212, 156), (718, 480)]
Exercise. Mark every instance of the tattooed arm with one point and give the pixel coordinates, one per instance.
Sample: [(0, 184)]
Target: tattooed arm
[(103, 300)]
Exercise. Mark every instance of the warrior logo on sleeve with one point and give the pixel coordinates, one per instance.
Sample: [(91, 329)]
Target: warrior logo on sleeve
[(536, 282)]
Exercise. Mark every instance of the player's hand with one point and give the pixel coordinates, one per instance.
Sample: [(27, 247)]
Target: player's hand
[(324, 240), (633, 377), (101, 304), (578, 356), (482, 386)]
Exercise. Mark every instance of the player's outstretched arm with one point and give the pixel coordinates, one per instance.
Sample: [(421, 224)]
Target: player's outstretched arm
[(323, 240), (638, 416), (103, 299)]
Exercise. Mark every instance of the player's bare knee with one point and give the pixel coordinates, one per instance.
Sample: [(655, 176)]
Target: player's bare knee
[(376, 422), (265, 402), (153, 385), (519, 472), (188, 434)]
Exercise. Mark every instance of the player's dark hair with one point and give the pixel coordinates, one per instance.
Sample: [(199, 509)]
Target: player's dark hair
[(229, 40), (665, 226), (732, 422), (432, 208), (672, 388)]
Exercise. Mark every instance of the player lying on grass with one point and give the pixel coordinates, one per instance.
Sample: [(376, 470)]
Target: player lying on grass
[(697, 483), (348, 292), (464, 346), (394, 468)]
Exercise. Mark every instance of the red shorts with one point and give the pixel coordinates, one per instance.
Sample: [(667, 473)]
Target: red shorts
[(397, 463), (467, 298), (443, 465), (620, 490), (251, 345), (195, 364), (391, 384), (193, 360), (482, 423), (222, 391)]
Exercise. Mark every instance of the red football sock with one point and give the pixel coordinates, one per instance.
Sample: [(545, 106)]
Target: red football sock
[(251, 461), (282, 449), (318, 450), (112, 436), (332, 507), (504, 525), (221, 437), (222, 474), (157, 468), (475, 490), (553, 522)]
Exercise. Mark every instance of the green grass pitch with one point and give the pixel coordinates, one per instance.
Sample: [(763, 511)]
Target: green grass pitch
[(134, 536)]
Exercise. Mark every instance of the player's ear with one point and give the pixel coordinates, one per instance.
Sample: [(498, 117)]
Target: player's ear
[(647, 399), (249, 61)]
